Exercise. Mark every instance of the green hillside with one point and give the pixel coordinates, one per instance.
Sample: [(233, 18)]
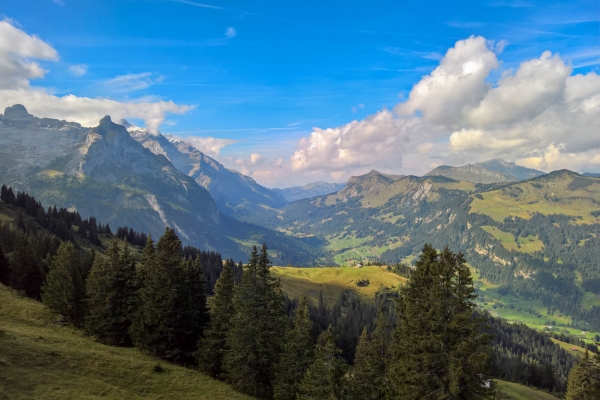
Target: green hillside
[(561, 192), (40, 359), (310, 282), (519, 392)]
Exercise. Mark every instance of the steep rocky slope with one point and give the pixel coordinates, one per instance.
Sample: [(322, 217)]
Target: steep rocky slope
[(235, 194)]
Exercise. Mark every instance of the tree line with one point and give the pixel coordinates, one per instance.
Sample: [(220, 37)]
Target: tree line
[(422, 340)]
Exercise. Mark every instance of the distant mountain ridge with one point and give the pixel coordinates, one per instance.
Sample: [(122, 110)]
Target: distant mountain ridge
[(309, 190), (104, 172), (491, 171), (235, 194)]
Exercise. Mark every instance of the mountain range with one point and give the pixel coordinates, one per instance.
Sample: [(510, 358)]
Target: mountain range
[(491, 171), (105, 172), (309, 190)]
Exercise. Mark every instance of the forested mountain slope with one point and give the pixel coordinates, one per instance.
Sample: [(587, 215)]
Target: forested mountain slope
[(538, 239)]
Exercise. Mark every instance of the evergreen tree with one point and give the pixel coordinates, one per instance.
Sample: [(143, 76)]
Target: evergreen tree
[(172, 306), (367, 379), (323, 379), (438, 351), (212, 347), (584, 379), (27, 274), (297, 355), (111, 290), (4, 268), (64, 290), (194, 318), (257, 328)]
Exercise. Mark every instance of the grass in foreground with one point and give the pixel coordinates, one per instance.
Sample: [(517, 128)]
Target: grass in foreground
[(520, 392), (42, 360), (309, 282)]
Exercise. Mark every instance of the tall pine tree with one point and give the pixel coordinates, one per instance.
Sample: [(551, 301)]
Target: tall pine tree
[(323, 379), (212, 347), (257, 328), (4, 268), (297, 355), (111, 290), (172, 304), (27, 274), (584, 379), (367, 378), (438, 350), (64, 290)]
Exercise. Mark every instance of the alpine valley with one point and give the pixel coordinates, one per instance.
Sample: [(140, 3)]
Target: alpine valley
[(532, 238)]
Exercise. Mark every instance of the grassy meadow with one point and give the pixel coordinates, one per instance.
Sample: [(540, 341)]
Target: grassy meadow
[(310, 282), (40, 359), (520, 392)]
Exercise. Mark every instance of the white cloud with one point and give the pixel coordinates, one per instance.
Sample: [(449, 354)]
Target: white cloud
[(457, 84), (130, 82), (209, 145), (539, 115), (230, 32), (18, 50), (78, 70)]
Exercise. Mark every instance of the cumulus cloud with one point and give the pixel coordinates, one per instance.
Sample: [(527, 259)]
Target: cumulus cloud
[(20, 56), (539, 115), (209, 145), (17, 51), (78, 70)]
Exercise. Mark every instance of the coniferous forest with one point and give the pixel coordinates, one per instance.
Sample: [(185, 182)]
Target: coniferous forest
[(233, 322)]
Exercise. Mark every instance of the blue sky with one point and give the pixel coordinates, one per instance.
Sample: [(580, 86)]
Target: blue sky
[(264, 73)]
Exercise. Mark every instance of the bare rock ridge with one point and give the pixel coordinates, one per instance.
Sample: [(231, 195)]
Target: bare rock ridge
[(235, 194)]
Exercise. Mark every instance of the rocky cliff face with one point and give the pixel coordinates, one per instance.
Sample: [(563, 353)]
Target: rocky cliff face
[(235, 194)]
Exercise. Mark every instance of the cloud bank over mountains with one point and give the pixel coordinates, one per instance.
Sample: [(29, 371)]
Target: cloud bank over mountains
[(466, 110), (539, 115)]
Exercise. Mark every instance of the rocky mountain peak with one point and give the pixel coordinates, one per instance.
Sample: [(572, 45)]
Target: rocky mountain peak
[(125, 123), (18, 111)]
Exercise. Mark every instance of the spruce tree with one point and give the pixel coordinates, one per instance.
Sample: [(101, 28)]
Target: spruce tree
[(584, 379), (323, 379), (212, 347), (111, 290), (4, 268), (257, 328), (27, 274), (367, 378), (64, 290), (297, 355), (172, 306), (438, 351)]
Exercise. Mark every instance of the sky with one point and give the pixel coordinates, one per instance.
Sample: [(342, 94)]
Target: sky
[(291, 92)]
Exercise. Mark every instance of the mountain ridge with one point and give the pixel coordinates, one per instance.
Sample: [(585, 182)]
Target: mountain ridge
[(235, 194)]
